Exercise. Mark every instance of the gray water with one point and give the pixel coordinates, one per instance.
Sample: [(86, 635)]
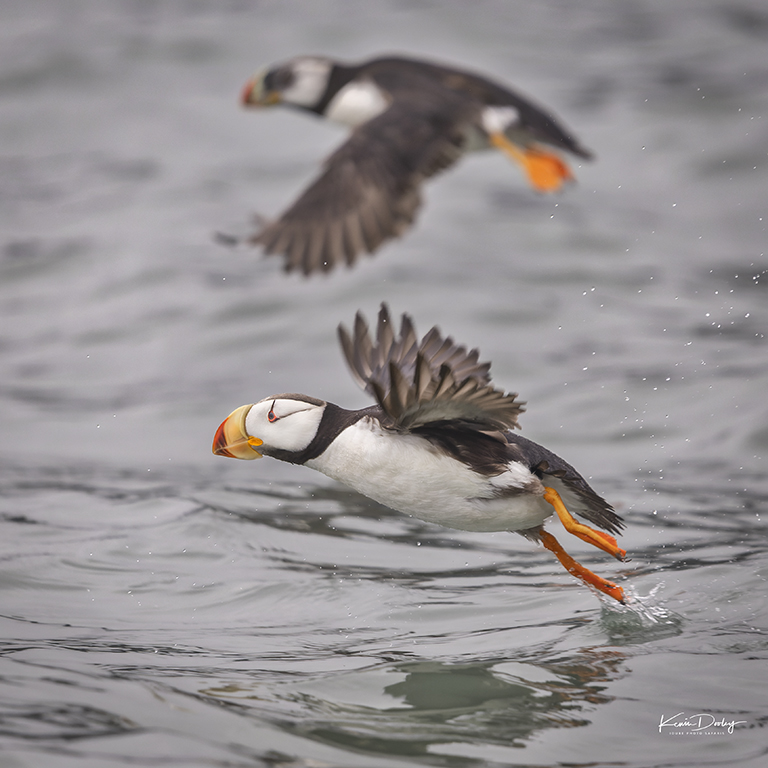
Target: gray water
[(162, 606)]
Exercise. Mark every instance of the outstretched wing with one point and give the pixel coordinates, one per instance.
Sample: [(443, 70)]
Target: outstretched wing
[(434, 380), (368, 191)]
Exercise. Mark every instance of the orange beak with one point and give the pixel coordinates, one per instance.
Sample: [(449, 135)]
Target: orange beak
[(232, 440), (254, 95)]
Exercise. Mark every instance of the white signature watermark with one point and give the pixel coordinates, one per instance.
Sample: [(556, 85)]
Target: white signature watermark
[(700, 723)]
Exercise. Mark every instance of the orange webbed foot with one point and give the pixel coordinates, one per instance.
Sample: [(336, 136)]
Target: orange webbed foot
[(579, 571), (599, 539), (546, 172)]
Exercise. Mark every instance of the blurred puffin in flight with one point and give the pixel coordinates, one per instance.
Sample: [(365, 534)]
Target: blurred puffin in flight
[(409, 119)]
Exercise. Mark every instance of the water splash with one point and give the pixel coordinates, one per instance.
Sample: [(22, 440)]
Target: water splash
[(640, 619)]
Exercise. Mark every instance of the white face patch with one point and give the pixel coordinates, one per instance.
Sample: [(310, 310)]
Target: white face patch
[(357, 103), (284, 423), (499, 119), (310, 79)]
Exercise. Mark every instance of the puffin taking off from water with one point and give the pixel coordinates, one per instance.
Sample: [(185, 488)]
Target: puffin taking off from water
[(410, 119), (438, 445)]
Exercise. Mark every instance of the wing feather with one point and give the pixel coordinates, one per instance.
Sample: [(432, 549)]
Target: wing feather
[(314, 249), (335, 243), (385, 339), (422, 377), (420, 383), (370, 184)]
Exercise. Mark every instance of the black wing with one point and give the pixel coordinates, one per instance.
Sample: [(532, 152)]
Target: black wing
[(368, 191), (578, 496), (534, 123), (419, 383)]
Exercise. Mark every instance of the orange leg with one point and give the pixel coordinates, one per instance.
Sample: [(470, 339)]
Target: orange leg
[(579, 571), (545, 170), (599, 539)]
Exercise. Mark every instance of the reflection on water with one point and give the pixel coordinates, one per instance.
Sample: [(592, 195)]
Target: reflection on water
[(398, 708), (412, 708)]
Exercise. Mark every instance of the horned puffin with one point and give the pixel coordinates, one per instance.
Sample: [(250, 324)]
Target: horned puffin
[(438, 444), (409, 119)]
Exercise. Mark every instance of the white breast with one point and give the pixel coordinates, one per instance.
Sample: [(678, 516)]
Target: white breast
[(407, 473), (356, 103)]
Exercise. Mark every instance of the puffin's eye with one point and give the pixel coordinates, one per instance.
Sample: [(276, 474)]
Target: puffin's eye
[(271, 417)]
